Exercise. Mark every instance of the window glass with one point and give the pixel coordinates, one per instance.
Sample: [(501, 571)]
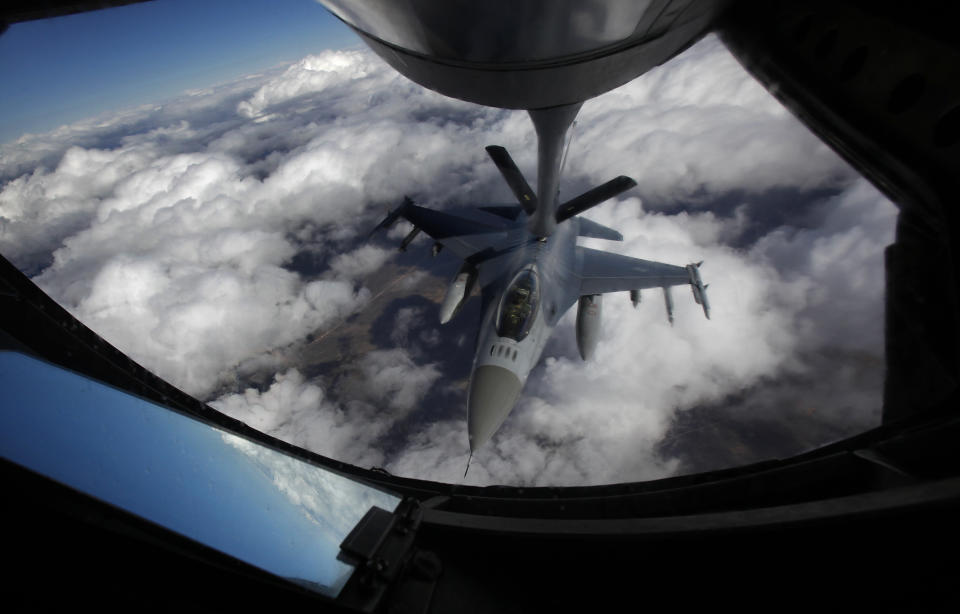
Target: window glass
[(254, 503)]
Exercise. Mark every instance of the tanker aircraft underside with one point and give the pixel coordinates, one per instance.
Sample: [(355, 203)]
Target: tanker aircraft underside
[(530, 270)]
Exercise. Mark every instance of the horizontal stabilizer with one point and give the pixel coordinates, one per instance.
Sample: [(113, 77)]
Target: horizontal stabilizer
[(594, 197), (514, 178), (589, 228)]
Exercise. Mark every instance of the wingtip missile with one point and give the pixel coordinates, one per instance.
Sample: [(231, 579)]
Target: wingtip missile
[(698, 288)]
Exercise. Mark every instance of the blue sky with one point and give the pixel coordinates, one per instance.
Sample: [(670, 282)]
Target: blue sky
[(60, 70)]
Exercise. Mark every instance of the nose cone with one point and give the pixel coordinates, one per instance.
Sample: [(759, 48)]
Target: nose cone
[(493, 393)]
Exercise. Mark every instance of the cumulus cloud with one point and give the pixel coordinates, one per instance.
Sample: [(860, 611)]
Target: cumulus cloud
[(833, 270), (391, 380), (385, 388), (219, 240), (181, 266), (299, 412), (360, 262), (310, 75), (698, 127)]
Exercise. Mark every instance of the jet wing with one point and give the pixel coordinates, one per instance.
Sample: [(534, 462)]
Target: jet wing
[(602, 272), (469, 237), (442, 225)]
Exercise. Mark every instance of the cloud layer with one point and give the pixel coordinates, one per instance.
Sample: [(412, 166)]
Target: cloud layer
[(219, 240)]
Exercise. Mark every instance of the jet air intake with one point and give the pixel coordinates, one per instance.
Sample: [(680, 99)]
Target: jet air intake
[(588, 324), (458, 292)]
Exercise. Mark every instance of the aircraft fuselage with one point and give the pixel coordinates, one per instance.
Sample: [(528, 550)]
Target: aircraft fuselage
[(511, 339)]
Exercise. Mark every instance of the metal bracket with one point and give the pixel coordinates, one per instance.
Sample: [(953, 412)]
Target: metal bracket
[(379, 546)]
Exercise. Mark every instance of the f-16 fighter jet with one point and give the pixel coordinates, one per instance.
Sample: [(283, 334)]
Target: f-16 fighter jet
[(546, 57), (530, 270)]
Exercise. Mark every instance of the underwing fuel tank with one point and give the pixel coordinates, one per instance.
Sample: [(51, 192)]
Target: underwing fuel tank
[(588, 324), (458, 292)]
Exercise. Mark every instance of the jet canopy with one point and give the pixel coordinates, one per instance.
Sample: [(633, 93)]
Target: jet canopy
[(518, 308)]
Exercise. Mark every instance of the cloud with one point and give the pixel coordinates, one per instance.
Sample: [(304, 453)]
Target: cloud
[(386, 387), (310, 75), (360, 262), (218, 239), (393, 381), (700, 126), (299, 412), (833, 270)]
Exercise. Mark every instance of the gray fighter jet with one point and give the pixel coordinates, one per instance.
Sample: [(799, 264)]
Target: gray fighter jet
[(530, 270)]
